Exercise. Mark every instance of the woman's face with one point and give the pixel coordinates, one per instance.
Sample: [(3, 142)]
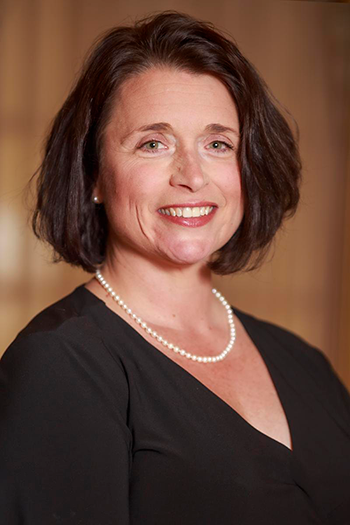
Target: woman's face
[(170, 178)]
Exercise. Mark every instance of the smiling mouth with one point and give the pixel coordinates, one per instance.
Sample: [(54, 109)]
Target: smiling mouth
[(187, 212)]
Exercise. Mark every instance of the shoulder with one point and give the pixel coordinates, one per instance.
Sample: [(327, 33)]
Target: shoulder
[(72, 308), (69, 320), (60, 326), (62, 350), (285, 339), (294, 351)]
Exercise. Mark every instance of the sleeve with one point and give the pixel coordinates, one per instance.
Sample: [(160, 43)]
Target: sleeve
[(64, 442)]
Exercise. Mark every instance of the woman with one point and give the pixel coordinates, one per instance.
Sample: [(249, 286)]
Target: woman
[(142, 397)]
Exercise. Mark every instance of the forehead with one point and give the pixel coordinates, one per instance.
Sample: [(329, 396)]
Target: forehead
[(173, 96)]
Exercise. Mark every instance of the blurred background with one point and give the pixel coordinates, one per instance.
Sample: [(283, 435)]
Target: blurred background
[(302, 49)]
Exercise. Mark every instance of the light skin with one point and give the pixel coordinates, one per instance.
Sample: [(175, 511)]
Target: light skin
[(158, 266), (183, 160)]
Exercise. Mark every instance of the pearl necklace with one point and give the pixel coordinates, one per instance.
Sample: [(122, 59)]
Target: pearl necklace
[(164, 342)]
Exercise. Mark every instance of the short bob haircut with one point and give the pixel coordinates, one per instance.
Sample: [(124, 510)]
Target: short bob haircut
[(65, 215)]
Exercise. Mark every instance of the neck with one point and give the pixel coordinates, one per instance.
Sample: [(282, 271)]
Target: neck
[(161, 293)]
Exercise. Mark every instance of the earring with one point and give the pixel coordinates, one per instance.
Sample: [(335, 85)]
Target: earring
[(95, 199)]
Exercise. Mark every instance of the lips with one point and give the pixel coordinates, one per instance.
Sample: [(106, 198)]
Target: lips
[(192, 215)]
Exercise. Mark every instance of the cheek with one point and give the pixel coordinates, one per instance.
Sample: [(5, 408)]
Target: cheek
[(233, 194), (240, 204), (130, 195), (231, 187)]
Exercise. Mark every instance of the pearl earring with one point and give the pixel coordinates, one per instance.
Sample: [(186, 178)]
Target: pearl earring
[(95, 199)]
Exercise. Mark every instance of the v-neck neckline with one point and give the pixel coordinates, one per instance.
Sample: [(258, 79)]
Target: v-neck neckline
[(259, 345)]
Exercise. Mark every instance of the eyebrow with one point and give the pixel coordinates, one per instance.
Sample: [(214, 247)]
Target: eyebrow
[(164, 126), (219, 128)]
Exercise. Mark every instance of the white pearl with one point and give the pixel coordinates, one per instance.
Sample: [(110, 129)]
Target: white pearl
[(164, 342)]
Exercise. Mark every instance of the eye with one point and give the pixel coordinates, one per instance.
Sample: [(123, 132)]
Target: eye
[(220, 145), (152, 145)]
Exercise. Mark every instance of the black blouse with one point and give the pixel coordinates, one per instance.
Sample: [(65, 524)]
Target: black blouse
[(98, 427)]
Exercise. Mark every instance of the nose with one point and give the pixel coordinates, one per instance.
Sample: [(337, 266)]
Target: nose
[(188, 173)]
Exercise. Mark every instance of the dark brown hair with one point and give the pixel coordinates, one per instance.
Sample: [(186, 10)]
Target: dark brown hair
[(65, 215)]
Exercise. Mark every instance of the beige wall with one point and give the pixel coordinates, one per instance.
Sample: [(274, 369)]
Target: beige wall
[(301, 49)]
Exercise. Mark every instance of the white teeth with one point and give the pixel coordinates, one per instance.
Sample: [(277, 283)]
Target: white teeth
[(191, 212), (187, 212)]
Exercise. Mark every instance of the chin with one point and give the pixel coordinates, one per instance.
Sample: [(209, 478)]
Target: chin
[(190, 253)]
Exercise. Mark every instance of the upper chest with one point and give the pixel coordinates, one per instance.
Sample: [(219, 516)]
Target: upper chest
[(246, 385), (242, 380)]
